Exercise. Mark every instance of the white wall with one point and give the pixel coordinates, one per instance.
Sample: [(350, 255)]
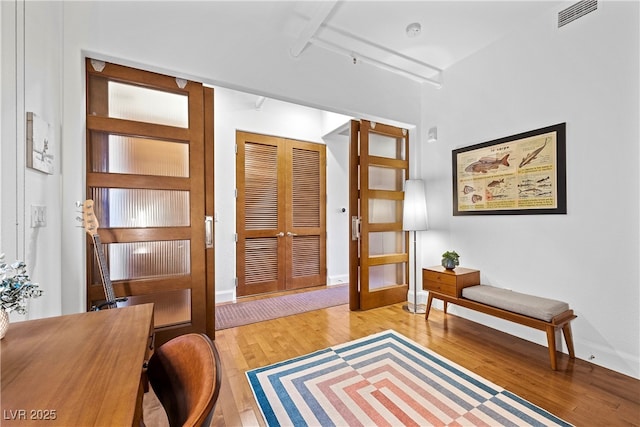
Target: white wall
[(338, 221), (584, 74), (31, 76)]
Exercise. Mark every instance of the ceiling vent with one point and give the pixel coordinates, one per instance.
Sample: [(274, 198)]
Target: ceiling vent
[(576, 11)]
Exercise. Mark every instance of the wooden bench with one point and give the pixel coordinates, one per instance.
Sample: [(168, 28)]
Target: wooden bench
[(539, 313)]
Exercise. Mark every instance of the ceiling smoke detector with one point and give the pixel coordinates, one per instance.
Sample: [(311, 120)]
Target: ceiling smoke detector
[(413, 30)]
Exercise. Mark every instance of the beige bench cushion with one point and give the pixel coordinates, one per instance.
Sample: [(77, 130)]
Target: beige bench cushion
[(528, 305)]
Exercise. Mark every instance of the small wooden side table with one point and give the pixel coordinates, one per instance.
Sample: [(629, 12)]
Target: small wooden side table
[(448, 283)]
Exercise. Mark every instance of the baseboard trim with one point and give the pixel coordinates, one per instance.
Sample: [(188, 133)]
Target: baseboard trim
[(340, 279)]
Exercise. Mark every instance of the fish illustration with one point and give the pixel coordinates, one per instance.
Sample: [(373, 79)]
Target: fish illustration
[(529, 157), (476, 198), (468, 189), (485, 164), (544, 179), (496, 183), (531, 190)]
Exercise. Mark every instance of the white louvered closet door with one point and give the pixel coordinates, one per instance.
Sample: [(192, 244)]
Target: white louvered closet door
[(281, 218)]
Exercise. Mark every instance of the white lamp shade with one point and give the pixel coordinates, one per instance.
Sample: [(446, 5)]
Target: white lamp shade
[(414, 211)]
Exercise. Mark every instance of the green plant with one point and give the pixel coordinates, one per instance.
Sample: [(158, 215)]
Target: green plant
[(452, 256), (16, 287)]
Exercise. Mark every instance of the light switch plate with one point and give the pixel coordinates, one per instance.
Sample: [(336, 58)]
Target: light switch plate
[(38, 216)]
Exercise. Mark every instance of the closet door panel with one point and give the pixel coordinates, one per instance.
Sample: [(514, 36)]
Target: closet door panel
[(259, 218), (306, 217)]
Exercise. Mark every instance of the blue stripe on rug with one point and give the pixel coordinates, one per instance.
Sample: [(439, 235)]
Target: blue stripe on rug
[(258, 391), (536, 409), (287, 402)]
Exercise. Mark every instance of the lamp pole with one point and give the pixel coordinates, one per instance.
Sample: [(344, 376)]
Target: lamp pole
[(415, 275), (414, 218)]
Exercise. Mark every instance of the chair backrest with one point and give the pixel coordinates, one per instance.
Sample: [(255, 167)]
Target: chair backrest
[(185, 375)]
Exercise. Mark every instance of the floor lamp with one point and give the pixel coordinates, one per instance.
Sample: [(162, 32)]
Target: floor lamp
[(414, 218)]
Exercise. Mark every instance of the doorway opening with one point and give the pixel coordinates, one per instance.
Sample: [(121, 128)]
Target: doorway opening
[(280, 214)]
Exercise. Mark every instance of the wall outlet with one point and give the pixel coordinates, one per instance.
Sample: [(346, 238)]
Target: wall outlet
[(38, 216)]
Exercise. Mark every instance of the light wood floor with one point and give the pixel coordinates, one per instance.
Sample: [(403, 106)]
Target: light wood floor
[(580, 392)]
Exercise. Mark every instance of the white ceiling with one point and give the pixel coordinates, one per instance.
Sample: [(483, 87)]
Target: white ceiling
[(375, 31)]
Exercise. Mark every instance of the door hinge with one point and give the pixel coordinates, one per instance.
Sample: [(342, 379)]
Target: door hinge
[(235, 237), (235, 193), (235, 282), (236, 148)]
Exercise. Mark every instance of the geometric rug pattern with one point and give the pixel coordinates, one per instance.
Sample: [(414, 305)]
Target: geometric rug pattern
[(385, 379)]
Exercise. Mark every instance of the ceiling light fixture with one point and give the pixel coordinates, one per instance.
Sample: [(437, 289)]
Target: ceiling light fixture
[(413, 30)]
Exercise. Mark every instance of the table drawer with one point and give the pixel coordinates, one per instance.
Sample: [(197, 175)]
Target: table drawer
[(440, 287), (443, 278)]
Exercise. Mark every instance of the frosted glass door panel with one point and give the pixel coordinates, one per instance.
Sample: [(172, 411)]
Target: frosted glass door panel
[(138, 156), (142, 104), (386, 242), (140, 260), (385, 178), (170, 308), (384, 211), (381, 276), (386, 146), (130, 208)]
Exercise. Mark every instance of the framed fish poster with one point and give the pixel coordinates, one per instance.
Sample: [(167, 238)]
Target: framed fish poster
[(518, 174)]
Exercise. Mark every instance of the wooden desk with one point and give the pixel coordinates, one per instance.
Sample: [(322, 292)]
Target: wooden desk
[(76, 370)]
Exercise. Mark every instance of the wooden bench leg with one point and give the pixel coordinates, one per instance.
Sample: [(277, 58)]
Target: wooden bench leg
[(568, 338), (551, 342), (429, 300)]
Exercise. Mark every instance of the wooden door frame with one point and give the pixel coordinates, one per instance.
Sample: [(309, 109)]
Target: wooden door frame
[(357, 180), (209, 206)]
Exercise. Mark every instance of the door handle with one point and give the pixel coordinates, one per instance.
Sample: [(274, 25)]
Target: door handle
[(208, 232), (280, 234), (291, 234), (355, 227)]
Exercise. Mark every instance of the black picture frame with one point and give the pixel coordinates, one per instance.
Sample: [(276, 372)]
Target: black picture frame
[(522, 174)]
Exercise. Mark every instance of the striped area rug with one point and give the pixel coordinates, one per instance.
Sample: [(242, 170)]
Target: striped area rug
[(385, 379), (244, 313)]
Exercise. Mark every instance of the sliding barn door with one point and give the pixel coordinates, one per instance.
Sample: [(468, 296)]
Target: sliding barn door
[(280, 214), (379, 165), (146, 157)]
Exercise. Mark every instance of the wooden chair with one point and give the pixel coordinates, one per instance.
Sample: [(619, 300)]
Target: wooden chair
[(185, 375)]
